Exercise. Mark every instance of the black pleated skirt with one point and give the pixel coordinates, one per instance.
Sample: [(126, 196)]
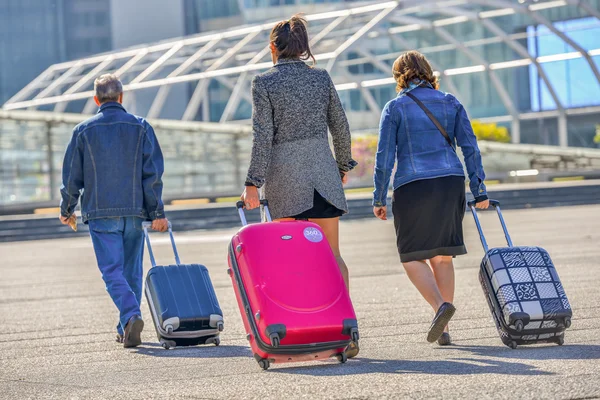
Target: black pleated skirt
[(428, 217)]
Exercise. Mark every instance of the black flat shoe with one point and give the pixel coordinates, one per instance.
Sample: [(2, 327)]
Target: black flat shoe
[(133, 332), (444, 340), (441, 319)]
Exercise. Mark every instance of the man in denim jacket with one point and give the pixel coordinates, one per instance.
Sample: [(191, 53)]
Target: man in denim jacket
[(115, 164)]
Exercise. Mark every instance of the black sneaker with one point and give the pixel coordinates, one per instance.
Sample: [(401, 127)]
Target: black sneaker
[(441, 319), (133, 331)]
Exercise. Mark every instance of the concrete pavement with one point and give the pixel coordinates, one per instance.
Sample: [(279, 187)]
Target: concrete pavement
[(57, 324)]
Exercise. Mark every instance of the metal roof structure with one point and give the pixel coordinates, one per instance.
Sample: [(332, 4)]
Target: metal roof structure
[(375, 34)]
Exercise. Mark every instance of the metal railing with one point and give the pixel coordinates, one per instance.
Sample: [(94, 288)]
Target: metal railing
[(203, 159), (200, 157)]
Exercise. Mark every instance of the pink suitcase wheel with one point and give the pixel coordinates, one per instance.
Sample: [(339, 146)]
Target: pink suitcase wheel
[(264, 364), (342, 357)]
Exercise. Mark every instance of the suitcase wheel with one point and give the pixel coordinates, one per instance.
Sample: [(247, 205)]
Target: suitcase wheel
[(274, 340), (214, 340), (512, 345), (567, 322), (220, 326), (342, 357), (167, 344), (264, 364), (519, 325), (560, 340)]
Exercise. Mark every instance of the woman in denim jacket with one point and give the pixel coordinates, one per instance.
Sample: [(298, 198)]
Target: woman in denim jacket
[(429, 185)]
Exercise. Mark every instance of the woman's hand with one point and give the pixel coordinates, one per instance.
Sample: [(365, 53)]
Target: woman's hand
[(344, 176), (483, 204), (250, 197), (380, 212)]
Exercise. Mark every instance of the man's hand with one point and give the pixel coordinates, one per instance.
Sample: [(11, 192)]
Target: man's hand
[(483, 204), (71, 221), (161, 225), (250, 197), (380, 212)]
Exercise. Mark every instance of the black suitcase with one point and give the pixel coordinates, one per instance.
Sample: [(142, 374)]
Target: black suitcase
[(523, 290), (182, 301)]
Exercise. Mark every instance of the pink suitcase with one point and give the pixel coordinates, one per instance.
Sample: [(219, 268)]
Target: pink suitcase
[(293, 300)]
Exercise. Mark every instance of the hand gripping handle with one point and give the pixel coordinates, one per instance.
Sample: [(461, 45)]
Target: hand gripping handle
[(241, 206), (145, 226), (496, 205)]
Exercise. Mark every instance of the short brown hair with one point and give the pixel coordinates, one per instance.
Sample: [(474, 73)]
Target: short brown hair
[(291, 38), (411, 66)]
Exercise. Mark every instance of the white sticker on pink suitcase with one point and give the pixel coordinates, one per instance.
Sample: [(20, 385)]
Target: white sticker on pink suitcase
[(313, 234)]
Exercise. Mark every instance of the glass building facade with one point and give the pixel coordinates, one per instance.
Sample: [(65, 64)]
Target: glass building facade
[(532, 67), (37, 34)]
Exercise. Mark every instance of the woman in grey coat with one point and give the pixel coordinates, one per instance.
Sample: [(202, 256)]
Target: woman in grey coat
[(293, 105)]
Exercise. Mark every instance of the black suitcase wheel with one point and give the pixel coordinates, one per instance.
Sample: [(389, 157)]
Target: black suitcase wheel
[(567, 322), (264, 364), (512, 345), (519, 325), (560, 340), (342, 357), (275, 340), (167, 344), (217, 341)]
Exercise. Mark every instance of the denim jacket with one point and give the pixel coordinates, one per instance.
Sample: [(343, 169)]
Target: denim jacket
[(115, 163), (409, 138)]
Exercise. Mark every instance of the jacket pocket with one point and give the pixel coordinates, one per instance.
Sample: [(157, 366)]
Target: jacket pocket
[(105, 225)]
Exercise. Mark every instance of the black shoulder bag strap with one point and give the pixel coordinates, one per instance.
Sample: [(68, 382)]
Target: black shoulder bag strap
[(432, 118)]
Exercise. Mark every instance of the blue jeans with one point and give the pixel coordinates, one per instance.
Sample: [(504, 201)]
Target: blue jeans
[(119, 246)]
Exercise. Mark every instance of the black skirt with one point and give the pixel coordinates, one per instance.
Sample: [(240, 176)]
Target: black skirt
[(321, 209), (428, 218)]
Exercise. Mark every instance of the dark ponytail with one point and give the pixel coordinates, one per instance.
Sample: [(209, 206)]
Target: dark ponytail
[(291, 39)]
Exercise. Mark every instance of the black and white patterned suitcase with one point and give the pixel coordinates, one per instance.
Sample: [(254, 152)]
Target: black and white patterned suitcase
[(525, 295)]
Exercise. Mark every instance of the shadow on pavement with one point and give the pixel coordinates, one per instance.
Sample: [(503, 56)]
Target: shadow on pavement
[(208, 351), (464, 366), (541, 352)]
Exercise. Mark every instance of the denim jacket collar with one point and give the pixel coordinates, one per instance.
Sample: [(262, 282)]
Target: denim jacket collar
[(413, 85), (111, 104)]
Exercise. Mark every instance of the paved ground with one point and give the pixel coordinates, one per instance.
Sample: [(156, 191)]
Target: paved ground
[(56, 339)]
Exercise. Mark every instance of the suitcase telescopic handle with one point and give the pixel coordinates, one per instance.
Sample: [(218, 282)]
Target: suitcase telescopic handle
[(240, 207), (496, 205), (145, 226)]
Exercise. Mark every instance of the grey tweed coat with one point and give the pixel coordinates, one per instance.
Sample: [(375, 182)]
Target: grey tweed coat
[(293, 105)]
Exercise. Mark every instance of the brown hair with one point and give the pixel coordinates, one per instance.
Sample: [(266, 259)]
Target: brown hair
[(291, 39), (411, 66)]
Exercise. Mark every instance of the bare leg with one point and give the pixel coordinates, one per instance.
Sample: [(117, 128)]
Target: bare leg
[(443, 269), (422, 277), (331, 227)]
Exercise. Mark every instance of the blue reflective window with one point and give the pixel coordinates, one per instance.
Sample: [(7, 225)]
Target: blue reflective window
[(570, 74)]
